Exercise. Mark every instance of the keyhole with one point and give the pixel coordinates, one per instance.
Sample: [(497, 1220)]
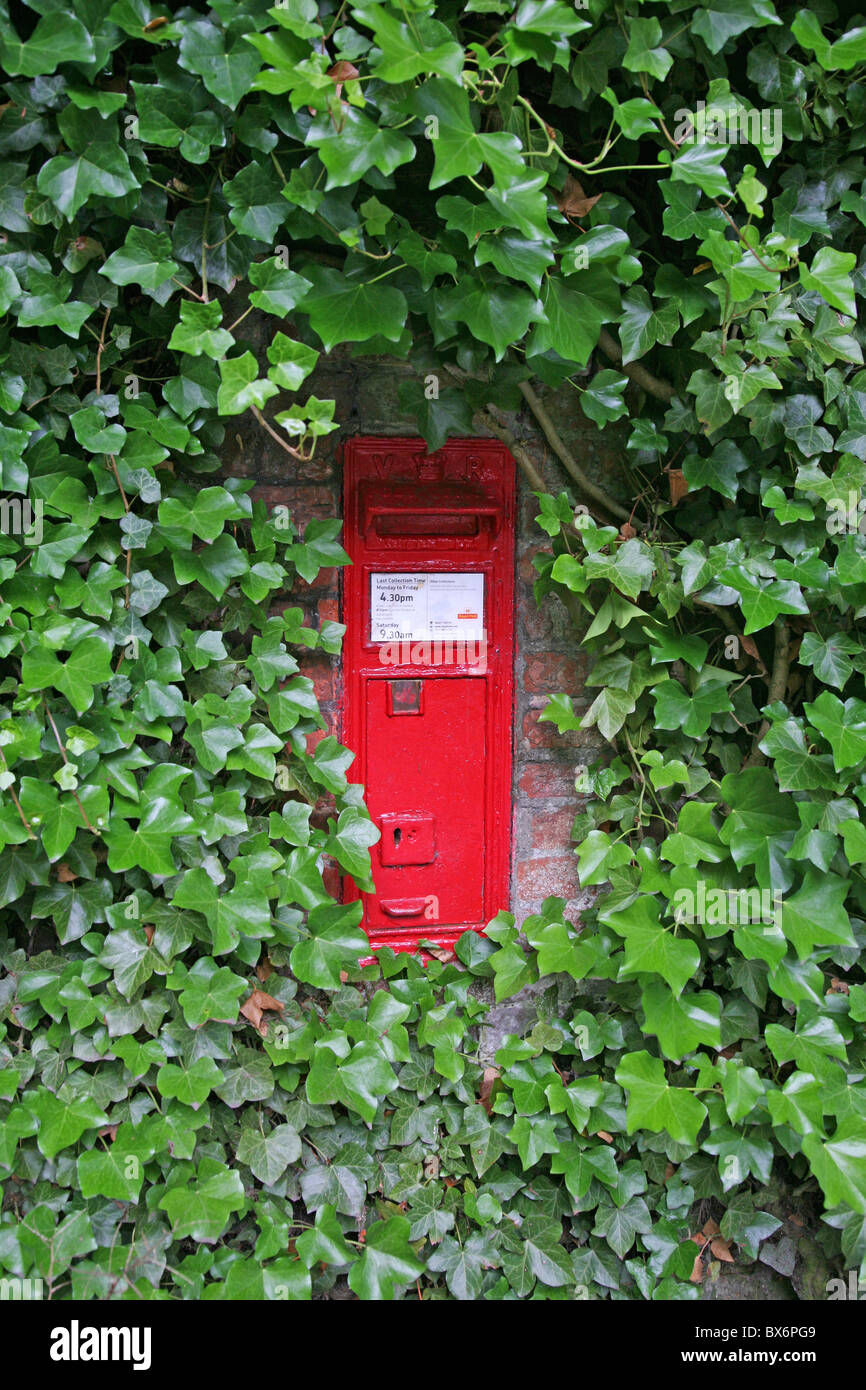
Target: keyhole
[(398, 834)]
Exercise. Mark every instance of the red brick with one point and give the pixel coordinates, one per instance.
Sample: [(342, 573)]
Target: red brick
[(329, 610), (552, 876), (548, 779), (549, 623), (546, 735), (304, 503), (526, 572), (550, 672), (319, 668), (551, 830), (331, 878)]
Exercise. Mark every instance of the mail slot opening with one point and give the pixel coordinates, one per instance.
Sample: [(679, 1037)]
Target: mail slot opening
[(397, 524)]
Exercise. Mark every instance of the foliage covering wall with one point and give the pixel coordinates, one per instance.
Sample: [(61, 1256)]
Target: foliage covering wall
[(204, 1095)]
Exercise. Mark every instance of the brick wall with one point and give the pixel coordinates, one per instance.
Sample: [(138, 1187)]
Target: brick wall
[(547, 657)]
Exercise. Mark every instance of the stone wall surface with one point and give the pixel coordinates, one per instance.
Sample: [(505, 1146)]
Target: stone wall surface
[(547, 658)]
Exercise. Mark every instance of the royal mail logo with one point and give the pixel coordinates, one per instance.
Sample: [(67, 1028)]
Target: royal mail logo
[(466, 616)]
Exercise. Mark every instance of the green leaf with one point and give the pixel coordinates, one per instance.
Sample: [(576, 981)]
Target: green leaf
[(653, 1104), (269, 1155), (241, 387), (346, 310), (830, 276), (57, 38), (144, 259), (201, 1209), (651, 948), (839, 1163)]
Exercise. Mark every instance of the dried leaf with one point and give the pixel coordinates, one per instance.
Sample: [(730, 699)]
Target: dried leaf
[(65, 874), (344, 71), (722, 1250), (572, 201), (264, 969), (152, 24), (254, 1007), (711, 1227), (697, 1274), (677, 484), (491, 1075)]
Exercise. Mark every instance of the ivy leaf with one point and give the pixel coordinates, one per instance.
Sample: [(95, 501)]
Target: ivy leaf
[(651, 948), (620, 1225), (144, 259), (682, 1024), (463, 1264), (839, 1163), (240, 386), (358, 1079), (346, 310), (192, 1085), (269, 1155), (388, 1262), (201, 1209), (62, 1120), (644, 53), (843, 726), (210, 991), (324, 1242), (57, 38), (198, 330), (830, 276), (226, 70), (334, 943), (653, 1104)]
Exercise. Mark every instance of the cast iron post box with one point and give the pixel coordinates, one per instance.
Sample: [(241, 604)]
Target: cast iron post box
[(427, 698)]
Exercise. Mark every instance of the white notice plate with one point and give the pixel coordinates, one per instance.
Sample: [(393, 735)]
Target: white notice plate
[(426, 607)]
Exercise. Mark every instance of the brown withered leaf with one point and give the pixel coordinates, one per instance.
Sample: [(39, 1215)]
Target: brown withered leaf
[(254, 1009), (491, 1075), (572, 201), (65, 874), (152, 24), (444, 954), (626, 531), (677, 484), (838, 986), (699, 1238), (669, 1171), (711, 1227), (722, 1250), (697, 1274), (343, 71), (603, 1134), (264, 969)]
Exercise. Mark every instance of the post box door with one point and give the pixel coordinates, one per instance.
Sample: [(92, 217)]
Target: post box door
[(425, 791), (431, 539)]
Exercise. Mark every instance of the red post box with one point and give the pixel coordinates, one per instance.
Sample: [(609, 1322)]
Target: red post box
[(428, 679)]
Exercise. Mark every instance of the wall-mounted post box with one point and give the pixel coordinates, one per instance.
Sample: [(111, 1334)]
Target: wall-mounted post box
[(428, 679)]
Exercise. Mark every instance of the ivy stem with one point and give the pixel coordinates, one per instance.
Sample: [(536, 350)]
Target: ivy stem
[(66, 761), (11, 790)]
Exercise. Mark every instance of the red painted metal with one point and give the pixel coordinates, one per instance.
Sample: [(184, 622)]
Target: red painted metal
[(431, 721)]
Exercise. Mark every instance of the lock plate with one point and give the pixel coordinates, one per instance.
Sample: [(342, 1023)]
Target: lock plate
[(409, 838)]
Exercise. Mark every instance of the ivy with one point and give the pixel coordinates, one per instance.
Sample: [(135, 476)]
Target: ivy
[(202, 1093)]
